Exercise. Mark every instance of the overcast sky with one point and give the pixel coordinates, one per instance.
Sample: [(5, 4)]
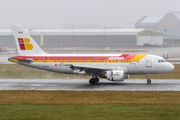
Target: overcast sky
[(59, 13)]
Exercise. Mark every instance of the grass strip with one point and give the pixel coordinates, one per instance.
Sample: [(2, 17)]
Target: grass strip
[(88, 97), (89, 105), (136, 111)]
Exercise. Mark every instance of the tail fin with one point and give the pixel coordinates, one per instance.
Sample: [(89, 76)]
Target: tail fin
[(25, 44)]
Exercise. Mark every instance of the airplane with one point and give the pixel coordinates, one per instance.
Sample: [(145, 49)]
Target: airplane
[(113, 67)]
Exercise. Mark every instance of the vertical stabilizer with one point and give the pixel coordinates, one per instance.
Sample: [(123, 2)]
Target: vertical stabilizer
[(24, 42)]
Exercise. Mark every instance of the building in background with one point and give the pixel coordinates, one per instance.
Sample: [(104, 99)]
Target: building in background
[(170, 22), (92, 38)]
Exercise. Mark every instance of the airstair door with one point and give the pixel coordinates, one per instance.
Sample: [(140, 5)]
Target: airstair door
[(148, 61), (45, 61)]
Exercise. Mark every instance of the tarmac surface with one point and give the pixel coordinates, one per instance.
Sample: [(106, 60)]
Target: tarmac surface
[(83, 85)]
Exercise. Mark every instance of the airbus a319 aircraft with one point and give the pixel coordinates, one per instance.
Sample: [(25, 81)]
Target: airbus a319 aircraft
[(113, 67)]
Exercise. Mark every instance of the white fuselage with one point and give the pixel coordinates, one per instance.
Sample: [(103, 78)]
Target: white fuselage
[(142, 66)]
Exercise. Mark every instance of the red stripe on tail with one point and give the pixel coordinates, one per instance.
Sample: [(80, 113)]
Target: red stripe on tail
[(21, 44)]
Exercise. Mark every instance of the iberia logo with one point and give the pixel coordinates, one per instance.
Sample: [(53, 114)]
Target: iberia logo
[(25, 44)]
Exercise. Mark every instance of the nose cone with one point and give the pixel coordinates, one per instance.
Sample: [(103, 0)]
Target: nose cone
[(171, 67)]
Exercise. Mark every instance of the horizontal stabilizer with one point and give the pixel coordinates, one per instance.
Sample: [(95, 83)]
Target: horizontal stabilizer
[(21, 60)]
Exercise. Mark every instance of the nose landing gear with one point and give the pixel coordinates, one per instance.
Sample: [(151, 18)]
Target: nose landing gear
[(148, 79)]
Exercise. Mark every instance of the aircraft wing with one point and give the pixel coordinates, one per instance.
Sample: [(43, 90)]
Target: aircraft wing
[(94, 69), (87, 67)]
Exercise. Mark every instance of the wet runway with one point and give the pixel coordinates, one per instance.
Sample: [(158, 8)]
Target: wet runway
[(83, 85)]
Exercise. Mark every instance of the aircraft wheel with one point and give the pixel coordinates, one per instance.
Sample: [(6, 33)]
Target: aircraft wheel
[(92, 81), (149, 81), (96, 80)]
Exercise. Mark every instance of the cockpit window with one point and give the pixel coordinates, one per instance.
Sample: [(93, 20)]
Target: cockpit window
[(161, 61)]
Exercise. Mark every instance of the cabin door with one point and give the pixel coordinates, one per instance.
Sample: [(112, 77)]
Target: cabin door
[(148, 61)]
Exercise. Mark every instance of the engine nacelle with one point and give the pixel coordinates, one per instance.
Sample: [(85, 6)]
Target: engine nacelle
[(79, 72), (115, 75)]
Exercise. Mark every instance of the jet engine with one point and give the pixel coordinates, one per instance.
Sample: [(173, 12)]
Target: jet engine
[(115, 75)]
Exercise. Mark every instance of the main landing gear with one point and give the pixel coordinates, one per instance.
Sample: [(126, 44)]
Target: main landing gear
[(93, 81), (148, 79)]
